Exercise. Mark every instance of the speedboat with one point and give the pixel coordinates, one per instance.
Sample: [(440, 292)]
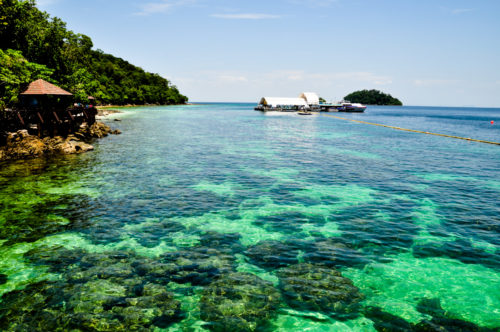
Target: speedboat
[(347, 106)]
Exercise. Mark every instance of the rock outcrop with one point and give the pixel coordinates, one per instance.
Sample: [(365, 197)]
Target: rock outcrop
[(22, 145), (97, 130)]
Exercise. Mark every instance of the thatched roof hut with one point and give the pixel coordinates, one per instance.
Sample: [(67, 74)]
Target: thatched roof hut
[(43, 88), (41, 94)]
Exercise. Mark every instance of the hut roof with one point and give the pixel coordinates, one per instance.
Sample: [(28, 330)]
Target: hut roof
[(41, 87), (274, 101), (311, 98)]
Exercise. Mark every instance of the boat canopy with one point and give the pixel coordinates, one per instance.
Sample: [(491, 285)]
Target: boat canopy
[(279, 101), (310, 97)]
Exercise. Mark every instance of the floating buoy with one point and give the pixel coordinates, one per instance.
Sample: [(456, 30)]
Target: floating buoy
[(492, 122)]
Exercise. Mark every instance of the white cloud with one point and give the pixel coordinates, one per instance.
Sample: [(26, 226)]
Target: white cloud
[(314, 3), (246, 16), (154, 8), (365, 77), (232, 78), (234, 85), (458, 11), (162, 6), (333, 77)]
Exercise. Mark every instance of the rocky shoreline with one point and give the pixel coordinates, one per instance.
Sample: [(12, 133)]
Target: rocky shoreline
[(22, 145)]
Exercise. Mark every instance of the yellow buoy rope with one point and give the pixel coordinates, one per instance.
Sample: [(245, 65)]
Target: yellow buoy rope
[(414, 131)]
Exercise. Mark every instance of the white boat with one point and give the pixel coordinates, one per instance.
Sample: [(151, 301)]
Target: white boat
[(347, 106)]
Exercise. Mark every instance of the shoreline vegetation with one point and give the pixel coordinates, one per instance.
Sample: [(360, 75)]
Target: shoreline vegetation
[(34, 45), (373, 97)]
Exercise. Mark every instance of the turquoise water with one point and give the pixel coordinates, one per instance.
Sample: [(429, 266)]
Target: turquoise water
[(217, 217)]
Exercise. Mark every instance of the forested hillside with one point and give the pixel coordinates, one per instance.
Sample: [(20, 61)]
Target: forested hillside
[(372, 97), (34, 45)]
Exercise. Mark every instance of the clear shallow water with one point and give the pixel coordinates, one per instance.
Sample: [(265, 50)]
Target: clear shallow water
[(216, 216)]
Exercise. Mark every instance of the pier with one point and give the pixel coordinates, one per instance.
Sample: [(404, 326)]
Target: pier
[(305, 102)]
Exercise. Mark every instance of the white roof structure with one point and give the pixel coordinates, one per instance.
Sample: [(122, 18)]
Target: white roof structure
[(275, 101), (310, 97)]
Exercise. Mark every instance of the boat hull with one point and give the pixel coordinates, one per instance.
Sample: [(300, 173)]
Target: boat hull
[(352, 109)]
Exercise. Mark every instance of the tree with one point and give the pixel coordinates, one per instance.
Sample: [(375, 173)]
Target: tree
[(15, 74), (68, 60), (372, 97)]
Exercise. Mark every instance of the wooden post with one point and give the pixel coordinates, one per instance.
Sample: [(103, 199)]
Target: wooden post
[(57, 118), (20, 119), (40, 117), (71, 122), (93, 113)]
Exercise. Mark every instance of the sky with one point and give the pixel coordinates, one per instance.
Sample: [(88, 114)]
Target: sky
[(424, 52)]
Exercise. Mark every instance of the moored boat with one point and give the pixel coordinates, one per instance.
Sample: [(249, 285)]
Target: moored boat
[(347, 106)]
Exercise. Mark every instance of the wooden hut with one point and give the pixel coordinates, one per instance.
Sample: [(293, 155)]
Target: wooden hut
[(41, 92), (47, 107)]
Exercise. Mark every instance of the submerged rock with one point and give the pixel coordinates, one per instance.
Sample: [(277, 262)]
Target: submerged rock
[(239, 302), (114, 271), (431, 307), (333, 252), (96, 292), (103, 233), (386, 322), (29, 224), (460, 249), (224, 242), (152, 234), (273, 254), (318, 288), (198, 265), (23, 310), (380, 235), (57, 257), (288, 222), (156, 271), (441, 321)]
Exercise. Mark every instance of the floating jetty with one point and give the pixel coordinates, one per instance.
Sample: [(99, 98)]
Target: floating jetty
[(305, 102)]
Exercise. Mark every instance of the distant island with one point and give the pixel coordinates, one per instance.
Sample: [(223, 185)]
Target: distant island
[(34, 46), (372, 97)]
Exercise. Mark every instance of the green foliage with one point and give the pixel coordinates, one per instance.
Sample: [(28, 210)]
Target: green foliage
[(77, 68), (15, 73), (372, 97), (322, 100)]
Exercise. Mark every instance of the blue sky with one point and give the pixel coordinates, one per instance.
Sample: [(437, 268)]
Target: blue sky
[(441, 52)]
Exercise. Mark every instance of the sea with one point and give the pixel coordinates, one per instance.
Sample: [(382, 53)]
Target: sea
[(216, 217)]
